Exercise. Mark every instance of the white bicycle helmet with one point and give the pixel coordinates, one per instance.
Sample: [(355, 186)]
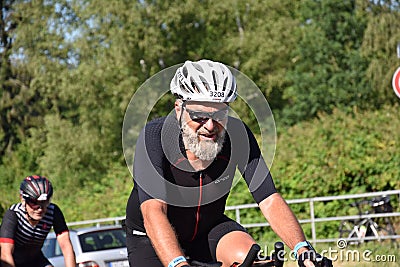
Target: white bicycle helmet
[(204, 80)]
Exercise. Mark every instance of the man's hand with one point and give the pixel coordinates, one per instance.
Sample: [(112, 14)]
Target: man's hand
[(311, 258)]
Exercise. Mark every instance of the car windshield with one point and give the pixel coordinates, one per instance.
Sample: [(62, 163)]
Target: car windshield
[(102, 240)]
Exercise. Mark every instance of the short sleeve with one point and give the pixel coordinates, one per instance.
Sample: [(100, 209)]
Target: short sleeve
[(59, 223), (8, 225)]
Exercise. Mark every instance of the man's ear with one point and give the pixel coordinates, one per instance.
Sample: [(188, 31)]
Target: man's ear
[(178, 107)]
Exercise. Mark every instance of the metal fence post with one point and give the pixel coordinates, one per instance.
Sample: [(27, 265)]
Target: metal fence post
[(237, 213), (312, 219)]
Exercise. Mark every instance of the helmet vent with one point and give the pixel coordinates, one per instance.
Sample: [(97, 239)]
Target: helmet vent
[(185, 72), (225, 83), (233, 89), (223, 71), (205, 83), (194, 86), (214, 75), (183, 88), (198, 67)]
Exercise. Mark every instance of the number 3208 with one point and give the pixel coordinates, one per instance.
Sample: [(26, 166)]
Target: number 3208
[(217, 94)]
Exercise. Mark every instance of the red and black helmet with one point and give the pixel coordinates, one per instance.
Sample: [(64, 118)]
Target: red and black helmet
[(36, 188)]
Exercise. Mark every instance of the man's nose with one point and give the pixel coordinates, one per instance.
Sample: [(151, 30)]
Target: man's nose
[(210, 125)]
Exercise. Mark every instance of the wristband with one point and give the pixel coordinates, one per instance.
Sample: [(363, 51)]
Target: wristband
[(176, 261), (300, 245)]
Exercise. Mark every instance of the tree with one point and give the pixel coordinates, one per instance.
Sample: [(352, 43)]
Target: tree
[(381, 38), (329, 71), (18, 111)]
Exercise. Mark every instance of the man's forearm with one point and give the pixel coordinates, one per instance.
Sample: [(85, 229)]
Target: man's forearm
[(282, 220), (161, 234), (67, 249), (165, 242)]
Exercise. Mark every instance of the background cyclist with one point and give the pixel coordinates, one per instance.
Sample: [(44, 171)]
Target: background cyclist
[(183, 171), (26, 224)]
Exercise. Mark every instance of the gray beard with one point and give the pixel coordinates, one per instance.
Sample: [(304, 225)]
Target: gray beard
[(202, 149)]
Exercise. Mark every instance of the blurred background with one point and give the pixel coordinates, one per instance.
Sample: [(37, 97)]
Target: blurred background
[(68, 69)]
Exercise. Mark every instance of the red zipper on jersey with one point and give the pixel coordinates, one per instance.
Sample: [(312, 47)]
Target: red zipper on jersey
[(198, 207)]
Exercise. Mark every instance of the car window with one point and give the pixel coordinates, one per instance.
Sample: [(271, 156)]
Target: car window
[(51, 248), (102, 240)]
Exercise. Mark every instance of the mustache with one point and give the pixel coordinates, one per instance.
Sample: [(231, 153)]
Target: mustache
[(203, 131)]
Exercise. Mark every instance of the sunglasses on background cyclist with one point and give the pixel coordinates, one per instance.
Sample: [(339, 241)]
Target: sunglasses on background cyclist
[(34, 204), (202, 117)]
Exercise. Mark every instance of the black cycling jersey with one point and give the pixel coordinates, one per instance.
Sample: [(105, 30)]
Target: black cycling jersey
[(196, 199), (27, 239)]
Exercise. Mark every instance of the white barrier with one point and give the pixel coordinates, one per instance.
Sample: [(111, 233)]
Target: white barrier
[(312, 220)]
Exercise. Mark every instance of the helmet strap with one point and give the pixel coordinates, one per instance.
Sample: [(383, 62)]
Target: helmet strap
[(180, 116)]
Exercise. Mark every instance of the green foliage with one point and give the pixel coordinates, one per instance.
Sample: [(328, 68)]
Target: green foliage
[(333, 154), (340, 153), (379, 44), (99, 198)]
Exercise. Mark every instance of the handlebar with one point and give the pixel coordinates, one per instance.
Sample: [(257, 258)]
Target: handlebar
[(251, 256), (276, 259), (278, 256)]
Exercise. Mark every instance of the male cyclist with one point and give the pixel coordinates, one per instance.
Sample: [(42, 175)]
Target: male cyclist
[(25, 227), (183, 171)]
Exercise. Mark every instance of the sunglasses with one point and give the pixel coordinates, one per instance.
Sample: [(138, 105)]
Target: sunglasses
[(34, 204), (202, 117)]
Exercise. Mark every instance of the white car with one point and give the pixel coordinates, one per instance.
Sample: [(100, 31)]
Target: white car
[(103, 246)]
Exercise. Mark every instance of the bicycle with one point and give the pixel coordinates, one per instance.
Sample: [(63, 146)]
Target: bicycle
[(382, 205), (252, 258), (365, 229)]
